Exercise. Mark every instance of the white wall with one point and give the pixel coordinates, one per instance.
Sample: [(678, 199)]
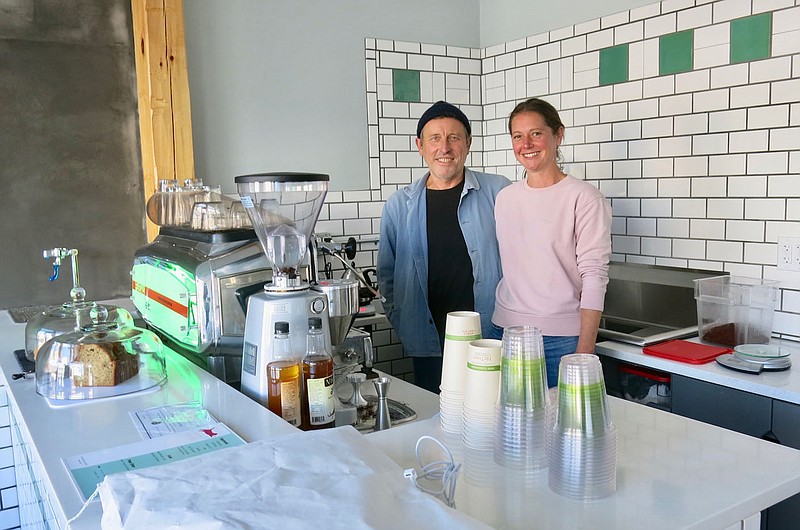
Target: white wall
[(279, 85), (507, 20)]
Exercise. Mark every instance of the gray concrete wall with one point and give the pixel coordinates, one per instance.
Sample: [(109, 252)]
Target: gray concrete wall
[(70, 164)]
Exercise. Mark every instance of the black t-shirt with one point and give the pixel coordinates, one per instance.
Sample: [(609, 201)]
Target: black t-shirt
[(450, 280)]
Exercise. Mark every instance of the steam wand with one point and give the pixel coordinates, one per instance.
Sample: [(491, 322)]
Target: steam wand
[(329, 250)]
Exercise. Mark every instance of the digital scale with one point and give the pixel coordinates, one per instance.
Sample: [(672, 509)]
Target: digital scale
[(757, 358)]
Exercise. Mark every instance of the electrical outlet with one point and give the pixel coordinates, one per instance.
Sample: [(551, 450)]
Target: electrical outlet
[(796, 255), (789, 253)]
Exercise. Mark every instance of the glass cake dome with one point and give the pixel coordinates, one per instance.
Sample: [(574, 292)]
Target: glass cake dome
[(102, 359), (69, 316)]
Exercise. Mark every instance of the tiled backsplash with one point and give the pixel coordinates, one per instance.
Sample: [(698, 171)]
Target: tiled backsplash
[(684, 113), (9, 503)]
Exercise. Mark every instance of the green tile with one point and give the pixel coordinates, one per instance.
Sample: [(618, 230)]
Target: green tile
[(750, 38), (614, 65), (405, 84), (676, 52)]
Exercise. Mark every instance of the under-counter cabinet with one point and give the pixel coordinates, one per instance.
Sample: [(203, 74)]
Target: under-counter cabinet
[(722, 406), (786, 428)]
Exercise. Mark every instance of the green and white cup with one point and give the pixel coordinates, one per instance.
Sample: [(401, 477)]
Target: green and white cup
[(483, 375), (461, 328)]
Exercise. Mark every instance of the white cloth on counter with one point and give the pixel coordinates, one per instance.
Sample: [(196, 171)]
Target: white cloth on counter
[(330, 478)]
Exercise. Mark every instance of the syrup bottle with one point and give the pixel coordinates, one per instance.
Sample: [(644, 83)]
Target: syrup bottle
[(318, 403), (283, 377)]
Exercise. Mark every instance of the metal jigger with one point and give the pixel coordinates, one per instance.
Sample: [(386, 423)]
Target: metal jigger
[(382, 419)]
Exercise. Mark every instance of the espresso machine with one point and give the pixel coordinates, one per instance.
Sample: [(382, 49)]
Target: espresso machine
[(185, 285), (283, 209)]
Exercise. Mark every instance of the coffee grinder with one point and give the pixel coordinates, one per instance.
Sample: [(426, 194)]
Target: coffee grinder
[(283, 208)]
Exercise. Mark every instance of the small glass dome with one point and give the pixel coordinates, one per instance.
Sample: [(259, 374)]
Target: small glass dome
[(102, 359), (69, 316)]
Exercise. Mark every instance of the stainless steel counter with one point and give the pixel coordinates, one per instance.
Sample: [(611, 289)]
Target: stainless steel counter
[(646, 304)]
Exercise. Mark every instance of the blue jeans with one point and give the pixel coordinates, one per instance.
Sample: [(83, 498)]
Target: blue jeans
[(554, 349)]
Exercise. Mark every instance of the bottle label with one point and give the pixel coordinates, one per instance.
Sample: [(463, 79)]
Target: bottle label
[(290, 401), (320, 400)]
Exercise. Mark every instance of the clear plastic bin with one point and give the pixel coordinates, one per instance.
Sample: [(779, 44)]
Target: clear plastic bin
[(646, 386), (734, 310)]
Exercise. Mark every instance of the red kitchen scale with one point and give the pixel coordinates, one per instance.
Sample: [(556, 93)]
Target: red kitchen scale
[(685, 351)]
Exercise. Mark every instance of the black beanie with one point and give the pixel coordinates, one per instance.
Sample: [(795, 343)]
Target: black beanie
[(442, 109)]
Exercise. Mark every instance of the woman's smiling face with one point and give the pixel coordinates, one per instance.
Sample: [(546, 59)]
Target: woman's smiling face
[(535, 143)]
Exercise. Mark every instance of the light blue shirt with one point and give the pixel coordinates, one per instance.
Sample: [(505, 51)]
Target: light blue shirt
[(403, 258)]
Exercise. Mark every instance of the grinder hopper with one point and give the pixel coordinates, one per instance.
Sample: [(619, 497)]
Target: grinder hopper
[(283, 208)]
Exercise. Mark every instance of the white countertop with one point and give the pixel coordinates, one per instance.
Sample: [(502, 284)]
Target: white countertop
[(103, 423), (666, 463), (672, 473), (784, 386)]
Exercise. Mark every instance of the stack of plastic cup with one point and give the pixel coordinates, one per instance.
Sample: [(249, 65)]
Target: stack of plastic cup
[(552, 410), (461, 328), (482, 388), (521, 424), (583, 443)]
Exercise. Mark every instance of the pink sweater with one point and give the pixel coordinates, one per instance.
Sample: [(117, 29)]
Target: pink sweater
[(555, 244)]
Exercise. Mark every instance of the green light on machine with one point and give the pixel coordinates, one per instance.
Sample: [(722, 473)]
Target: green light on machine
[(165, 295)]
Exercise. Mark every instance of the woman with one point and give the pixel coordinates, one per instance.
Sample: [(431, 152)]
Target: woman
[(554, 233)]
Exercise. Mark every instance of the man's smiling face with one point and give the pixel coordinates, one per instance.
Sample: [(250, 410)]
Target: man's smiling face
[(444, 145)]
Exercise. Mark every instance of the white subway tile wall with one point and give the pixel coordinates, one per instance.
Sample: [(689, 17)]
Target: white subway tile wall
[(700, 166), (9, 503)]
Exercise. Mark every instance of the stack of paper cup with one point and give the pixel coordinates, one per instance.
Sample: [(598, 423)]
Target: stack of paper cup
[(461, 328), (481, 391), (583, 443), (521, 424)]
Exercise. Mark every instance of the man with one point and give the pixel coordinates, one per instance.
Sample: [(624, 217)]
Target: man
[(438, 252)]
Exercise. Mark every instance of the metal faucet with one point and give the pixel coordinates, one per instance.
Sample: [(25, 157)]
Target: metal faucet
[(77, 293)]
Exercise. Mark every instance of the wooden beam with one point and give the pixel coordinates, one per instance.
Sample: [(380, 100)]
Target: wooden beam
[(179, 84), (165, 124), (141, 52)]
